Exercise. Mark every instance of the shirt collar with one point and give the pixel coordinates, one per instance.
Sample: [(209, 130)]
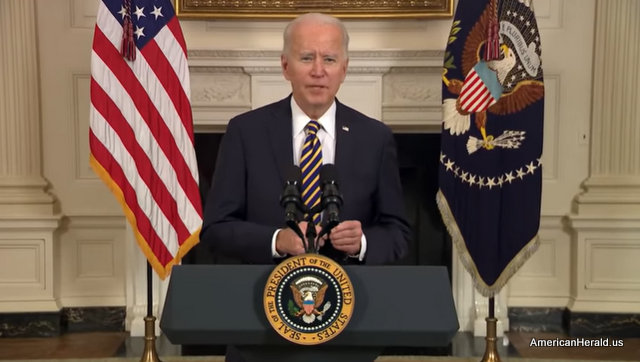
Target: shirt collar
[(300, 119)]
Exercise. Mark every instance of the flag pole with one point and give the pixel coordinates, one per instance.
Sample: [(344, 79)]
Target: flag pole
[(149, 354), (491, 350)]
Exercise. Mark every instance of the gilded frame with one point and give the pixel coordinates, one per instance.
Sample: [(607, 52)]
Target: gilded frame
[(286, 9)]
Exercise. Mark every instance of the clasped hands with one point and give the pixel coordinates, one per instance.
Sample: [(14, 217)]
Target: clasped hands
[(346, 237)]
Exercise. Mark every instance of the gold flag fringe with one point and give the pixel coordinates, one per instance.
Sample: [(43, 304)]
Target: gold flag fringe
[(513, 266), (162, 270)]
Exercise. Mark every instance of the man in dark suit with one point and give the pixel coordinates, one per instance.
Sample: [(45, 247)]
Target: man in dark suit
[(243, 217)]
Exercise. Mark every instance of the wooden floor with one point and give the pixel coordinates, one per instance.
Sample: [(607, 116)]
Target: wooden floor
[(73, 345), (118, 346)]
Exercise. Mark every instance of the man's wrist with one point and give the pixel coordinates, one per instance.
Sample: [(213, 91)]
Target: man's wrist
[(363, 249), (274, 250)]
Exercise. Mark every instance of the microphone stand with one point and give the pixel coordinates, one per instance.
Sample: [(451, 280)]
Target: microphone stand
[(326, 229), (311, 235), (290, 199), (293, 225)]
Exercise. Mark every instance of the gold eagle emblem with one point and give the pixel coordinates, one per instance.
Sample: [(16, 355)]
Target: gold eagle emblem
[(517, 90), (309, 299)]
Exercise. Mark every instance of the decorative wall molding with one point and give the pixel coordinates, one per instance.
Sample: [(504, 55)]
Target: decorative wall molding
[(22, 187), (401, 88), (549, 14), (28, 218), (83, 14), (399, 57), (92, 261), (544, 280), (27, 273), (551, 157), (417, 86), (606, 218), (600, 252), (616, 116), (219, 87), (80, 126)]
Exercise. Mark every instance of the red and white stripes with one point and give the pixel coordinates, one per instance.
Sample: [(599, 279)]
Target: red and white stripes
[(141, 137)]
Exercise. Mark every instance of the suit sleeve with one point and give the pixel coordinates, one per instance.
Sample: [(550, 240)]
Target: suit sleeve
[(225, 228), (389, 234)]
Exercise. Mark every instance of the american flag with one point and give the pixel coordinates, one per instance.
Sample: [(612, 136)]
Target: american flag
[(141, 130)]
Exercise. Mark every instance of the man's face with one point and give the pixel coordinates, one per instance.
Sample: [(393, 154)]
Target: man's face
[(315, 65)]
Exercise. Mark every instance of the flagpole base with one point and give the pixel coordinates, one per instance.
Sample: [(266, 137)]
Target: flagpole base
[(149, 354), (491, 350)]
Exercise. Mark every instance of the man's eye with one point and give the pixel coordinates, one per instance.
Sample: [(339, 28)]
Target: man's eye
[(306, 59), (329, 60)]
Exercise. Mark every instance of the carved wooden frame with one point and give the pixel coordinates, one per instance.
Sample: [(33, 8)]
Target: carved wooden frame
[(286, 9)]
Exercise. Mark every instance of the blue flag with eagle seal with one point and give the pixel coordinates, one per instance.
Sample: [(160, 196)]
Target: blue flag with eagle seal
[(490, 172)]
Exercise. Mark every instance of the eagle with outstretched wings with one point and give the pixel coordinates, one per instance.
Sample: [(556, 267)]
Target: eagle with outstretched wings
[(309, 302), (503, 85)]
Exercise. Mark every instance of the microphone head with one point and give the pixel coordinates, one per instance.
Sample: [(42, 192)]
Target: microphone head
[(290, 197), (328, 174)]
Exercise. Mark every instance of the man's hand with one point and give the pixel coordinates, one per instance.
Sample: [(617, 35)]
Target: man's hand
[(347, 237), (289, 243)]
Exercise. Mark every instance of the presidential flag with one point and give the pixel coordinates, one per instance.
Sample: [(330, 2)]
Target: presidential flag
[(141, 130), (490, 170)]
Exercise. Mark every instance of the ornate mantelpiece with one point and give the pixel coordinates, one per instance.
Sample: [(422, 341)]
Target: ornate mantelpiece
[(402, 88)]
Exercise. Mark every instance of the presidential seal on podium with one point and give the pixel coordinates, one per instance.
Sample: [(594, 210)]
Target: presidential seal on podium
[(308, 299)]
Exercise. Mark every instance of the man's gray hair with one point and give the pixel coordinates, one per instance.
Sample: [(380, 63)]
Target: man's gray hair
[(314, 18)]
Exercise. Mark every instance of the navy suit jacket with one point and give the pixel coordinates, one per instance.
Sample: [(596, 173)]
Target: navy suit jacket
[(243, 208)]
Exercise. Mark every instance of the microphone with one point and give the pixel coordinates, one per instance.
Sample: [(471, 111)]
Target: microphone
[(331, 197), (291, 200)]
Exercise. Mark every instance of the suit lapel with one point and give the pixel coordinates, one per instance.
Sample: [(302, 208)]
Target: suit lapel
[(344, 152), (280, 134)]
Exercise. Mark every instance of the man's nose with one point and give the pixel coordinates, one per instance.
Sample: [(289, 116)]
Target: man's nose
[(317, 68)]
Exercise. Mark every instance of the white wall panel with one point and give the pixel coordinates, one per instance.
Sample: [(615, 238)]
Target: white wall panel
[(567, 58), (612, 263), (81, 99), (549, 13), (83, 13), (21, 263), (65, 33), (92, 262), (544, 280), (551, 142), (27, 267)]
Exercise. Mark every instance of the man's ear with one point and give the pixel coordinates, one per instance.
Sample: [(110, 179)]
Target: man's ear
[(284, 63)]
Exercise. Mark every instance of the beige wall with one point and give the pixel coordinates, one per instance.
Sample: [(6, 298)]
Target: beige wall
[(395, 77)]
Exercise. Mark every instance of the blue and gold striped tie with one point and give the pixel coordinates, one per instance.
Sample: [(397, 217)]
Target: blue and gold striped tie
[(310, 163)]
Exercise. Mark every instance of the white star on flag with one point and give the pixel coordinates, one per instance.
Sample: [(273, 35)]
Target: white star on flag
[(157, 12)]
